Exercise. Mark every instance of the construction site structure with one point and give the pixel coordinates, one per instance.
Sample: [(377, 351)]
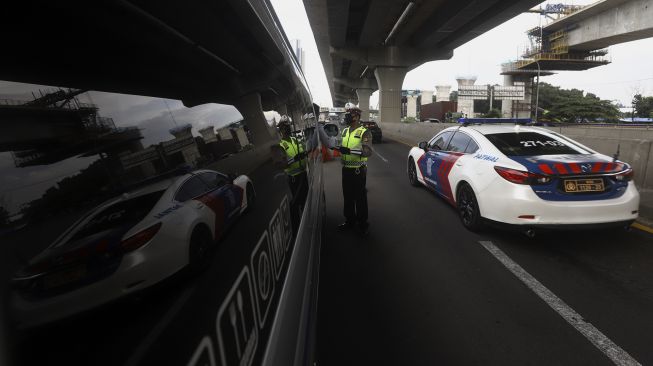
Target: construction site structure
[(465, 106), (549, 50), (529, 79)]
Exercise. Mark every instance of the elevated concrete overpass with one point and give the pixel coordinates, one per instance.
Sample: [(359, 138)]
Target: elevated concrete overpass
[(606, 23), (147, 48), (367, 45)]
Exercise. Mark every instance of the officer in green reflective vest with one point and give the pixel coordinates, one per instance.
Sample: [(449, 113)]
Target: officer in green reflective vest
[(295, 165), (355, 151)]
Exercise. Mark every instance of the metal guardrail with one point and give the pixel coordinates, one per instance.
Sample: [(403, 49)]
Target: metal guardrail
[(648, 126)]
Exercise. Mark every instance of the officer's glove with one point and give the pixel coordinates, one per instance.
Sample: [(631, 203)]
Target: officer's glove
[(301, 155), (344, 150)]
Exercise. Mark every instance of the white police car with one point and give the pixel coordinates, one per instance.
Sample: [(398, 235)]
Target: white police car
[(130, 243), (527, 176)]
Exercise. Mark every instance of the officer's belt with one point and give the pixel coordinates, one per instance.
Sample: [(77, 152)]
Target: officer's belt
[(294, 172), (353, 164)]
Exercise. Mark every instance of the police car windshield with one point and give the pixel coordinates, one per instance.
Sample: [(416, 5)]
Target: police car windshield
[(531, 143)]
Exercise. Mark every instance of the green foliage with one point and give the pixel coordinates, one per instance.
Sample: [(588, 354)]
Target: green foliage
[(453, 96), (643, 106), (493, 113), (408, 120), (574, 105)]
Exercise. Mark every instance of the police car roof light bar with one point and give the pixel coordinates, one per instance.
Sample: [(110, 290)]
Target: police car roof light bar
[(487, 121)]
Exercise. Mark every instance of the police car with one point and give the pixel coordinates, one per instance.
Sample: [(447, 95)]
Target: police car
[(525, 176), (130, 243)]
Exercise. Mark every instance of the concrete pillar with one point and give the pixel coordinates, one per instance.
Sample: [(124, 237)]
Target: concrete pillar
[(427, 97), (411, 106), (466, 106), (506, 105), (390, 80), (252, 110), (442, 93), (364, 103)]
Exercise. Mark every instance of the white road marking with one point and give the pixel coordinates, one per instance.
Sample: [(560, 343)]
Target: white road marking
[(137, 355), (598, 339), (379, 155)]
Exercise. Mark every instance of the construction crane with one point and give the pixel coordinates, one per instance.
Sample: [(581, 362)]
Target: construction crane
[(559, 10)]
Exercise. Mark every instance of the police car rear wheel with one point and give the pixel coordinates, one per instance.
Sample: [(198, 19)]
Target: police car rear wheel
[(412, 173), (468, 210)]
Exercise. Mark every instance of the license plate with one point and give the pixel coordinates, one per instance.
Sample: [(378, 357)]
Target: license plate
[(584, 185), (64, 277)]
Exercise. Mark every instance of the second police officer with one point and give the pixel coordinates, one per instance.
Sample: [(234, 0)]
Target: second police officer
[(294, 167), (355, 151)]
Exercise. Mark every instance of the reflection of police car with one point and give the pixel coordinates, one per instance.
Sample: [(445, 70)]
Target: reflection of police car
[(130, 243), (524, 176)]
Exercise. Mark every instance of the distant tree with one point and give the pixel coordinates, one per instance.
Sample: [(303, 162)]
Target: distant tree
[(453, 96), (643, 106), (493, 113), (573, 105)]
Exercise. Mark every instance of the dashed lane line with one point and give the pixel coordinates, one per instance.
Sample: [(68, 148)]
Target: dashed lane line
[(615, 353)]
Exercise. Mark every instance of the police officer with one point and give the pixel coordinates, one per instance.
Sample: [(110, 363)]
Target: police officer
[(355, 151), (294, 167)]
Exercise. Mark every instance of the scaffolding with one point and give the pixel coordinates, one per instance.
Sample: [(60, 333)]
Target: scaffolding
[(550, 50)]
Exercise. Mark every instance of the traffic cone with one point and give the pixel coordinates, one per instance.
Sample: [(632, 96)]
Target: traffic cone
[(325, 154)]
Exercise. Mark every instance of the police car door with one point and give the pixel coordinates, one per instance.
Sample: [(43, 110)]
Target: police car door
[(226, 196), (449, 158), (433, 158)]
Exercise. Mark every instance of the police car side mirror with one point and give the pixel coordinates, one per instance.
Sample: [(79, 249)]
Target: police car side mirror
[(422, 145)]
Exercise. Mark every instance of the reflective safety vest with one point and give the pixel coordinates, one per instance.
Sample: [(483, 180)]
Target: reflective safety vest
[(353, 141), (292, 148)]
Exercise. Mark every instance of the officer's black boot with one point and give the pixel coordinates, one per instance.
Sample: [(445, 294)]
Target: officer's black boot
[(364, 229), (345, 226)]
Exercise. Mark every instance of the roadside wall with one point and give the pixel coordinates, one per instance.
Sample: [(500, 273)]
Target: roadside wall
[(244, 162)]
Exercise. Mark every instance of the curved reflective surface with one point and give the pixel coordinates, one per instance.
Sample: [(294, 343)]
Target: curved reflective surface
[(133, 224)]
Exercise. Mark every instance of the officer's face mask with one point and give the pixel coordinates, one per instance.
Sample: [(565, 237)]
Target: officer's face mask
[(348, 119)]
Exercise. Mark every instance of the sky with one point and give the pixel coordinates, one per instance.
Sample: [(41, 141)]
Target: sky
[(629, 73)]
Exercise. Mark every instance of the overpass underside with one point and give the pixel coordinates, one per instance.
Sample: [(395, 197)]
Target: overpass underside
[(369, 45)]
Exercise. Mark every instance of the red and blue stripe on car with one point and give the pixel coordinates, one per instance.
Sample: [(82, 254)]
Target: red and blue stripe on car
[(546, 175)]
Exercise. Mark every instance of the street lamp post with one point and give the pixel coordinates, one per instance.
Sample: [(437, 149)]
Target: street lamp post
[(537, 90)]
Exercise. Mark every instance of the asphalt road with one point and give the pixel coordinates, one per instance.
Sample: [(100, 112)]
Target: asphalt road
[(422, 290)]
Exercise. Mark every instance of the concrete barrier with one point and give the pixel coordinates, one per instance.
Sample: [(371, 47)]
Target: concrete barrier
[(244, 162)]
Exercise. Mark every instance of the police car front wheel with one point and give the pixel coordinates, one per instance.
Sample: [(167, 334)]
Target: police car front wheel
[(412, 173)]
